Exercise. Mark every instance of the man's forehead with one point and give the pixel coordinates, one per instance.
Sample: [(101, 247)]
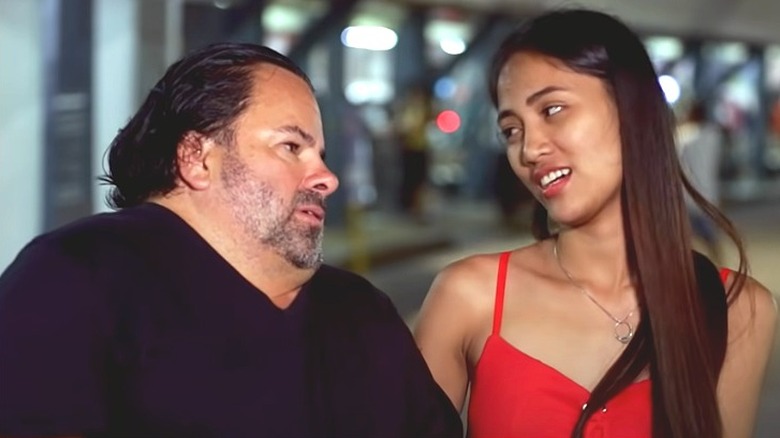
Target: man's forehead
[(282, 102), (266, 73), (274, 84)]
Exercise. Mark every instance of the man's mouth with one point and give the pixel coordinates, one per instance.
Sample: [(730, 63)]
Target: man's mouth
[(315, 212)]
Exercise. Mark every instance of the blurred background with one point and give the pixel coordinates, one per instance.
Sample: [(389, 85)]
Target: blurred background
[(408, 124)]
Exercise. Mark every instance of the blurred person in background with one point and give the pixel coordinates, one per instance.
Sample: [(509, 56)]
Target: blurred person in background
[(201, 307), (700, 143), (608, 325), (511, 195), (773, 144), (414, 116)]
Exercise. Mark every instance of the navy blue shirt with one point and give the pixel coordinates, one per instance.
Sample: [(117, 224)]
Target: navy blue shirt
[(129, 324)]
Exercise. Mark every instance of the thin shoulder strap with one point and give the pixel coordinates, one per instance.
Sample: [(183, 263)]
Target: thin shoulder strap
[(724, 275), (498, 308)]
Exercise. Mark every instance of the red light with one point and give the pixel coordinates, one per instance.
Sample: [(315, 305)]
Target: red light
[(448, 121)]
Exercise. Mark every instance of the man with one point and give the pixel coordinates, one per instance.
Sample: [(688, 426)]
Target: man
[(201, 307)]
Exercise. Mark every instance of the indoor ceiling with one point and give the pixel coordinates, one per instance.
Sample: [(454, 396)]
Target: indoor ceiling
[(747, 20)]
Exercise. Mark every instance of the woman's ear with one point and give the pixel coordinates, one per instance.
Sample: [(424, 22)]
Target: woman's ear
[(192, 159)]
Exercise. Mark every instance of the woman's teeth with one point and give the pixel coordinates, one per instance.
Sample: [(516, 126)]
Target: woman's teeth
[(553, 176)]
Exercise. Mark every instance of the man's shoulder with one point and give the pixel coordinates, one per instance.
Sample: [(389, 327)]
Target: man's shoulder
[(349, 311), (335, 275), (349, 292), (91, 237), (339, 282), (140, 218), (62, 266)]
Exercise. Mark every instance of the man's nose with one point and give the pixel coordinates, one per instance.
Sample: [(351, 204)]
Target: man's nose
[(323, 181)]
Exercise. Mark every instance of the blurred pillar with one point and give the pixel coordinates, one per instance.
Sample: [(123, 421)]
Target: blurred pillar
[(21, 125), (342, 211), (68, 179), (243, 22), (479, 48), (204, 23), (325, 34), (173, 28), (332, 104), (693, 49), (159, 23), (760, 123), (412, 63), (115, 71), (327, 27)]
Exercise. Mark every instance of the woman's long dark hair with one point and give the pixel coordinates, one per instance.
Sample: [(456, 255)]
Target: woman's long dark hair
[(682, 335), (204, 93)]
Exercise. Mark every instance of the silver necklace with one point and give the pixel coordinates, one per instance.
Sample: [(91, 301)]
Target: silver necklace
[(624, 331)]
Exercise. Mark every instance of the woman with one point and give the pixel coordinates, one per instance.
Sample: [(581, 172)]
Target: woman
[(607, 325)]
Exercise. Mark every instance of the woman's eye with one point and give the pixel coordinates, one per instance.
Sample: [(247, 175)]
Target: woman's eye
[(510, 134), (552, 110)]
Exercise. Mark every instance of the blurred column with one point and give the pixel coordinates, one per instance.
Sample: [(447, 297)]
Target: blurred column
[(173, 28), (115, 72), (323, 36), (411, 65), (68, 179), (333, 105), (206, 23), (760, 122), (160, 43), (693, 49), (327, 26), (21, 125), (243, 22)]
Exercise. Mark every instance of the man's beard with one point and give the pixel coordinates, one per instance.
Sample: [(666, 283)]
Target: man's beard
[(267, 220), (299, 243)]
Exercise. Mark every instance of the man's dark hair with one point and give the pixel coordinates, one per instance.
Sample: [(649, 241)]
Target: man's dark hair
[(204, 93)]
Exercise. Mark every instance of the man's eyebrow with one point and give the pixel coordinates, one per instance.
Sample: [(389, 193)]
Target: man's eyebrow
[(295, 129), (307, 138)]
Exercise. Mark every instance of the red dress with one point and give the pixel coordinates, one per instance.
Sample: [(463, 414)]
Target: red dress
[(516, 395)]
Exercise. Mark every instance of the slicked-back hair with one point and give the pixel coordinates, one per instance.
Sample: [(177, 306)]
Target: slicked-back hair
[(681, 338), (203, 93)]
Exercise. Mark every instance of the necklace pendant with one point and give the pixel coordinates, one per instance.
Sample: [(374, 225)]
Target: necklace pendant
[(624, 331)]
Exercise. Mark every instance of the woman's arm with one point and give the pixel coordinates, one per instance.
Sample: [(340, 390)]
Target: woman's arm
[(752, 323), (448, 320)]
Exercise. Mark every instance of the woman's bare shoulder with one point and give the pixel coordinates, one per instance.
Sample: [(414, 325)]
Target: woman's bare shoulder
[(475, 277), (754, 309), (752, 323), (477, 268), (472, 266), (468, 278)]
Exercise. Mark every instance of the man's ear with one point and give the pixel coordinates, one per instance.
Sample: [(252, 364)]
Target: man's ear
[(192, 156)]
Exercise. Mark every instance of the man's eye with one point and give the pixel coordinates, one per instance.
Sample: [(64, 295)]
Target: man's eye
[(552, 110), (292, 147)]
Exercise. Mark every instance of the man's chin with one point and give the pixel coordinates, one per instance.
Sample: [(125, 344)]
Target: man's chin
[(311, 262), (311, 232), (310, 257)]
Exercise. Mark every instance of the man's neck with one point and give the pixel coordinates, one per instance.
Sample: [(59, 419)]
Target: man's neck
[(261, 266)]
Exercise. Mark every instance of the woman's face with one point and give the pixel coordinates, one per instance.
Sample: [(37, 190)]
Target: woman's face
[(562, 134)]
